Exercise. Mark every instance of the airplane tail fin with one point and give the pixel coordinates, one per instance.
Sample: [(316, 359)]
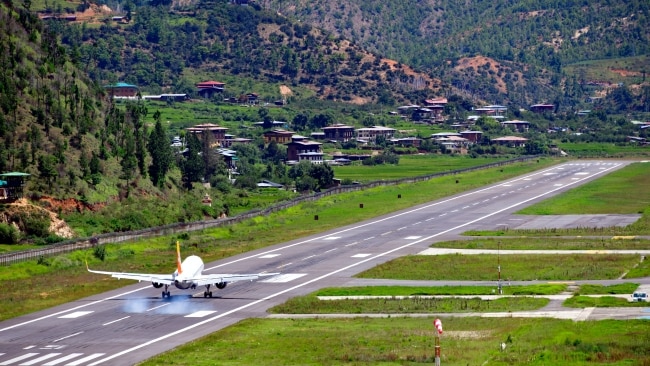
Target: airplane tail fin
[(178, 258)]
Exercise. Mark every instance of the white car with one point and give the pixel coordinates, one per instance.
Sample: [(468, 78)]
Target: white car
[(639, 296)]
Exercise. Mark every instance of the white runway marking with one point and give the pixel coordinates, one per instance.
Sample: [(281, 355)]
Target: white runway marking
[(361, 255), (37, 360), (558, 185), (412, 237), (116, 320), (19, 358), (582, 173), (76, 314), (267, 256), (87, 358), (63, 359), (200, 314), (284, 278), (332, 238), (156, 307), (66, 337)]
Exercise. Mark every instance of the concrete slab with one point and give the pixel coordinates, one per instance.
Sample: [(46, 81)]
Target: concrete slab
[(569, 221)]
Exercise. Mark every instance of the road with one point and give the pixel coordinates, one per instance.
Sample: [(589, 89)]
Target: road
[(129, 325)]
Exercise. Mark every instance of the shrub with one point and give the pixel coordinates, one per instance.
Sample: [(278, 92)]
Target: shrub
[(9, 234)]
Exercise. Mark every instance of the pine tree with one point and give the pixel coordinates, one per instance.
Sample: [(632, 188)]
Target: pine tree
[(161, 154)]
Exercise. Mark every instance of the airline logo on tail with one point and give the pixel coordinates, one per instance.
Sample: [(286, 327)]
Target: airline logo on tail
[(179, 269)]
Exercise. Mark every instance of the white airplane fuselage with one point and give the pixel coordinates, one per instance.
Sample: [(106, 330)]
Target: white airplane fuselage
[(192, 267)]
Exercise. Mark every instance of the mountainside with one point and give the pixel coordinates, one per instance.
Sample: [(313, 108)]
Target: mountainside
[(535, 38)]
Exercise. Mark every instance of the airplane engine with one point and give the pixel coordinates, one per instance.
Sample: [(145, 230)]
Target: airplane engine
[(221, 285), (157, 285), (184, 285)]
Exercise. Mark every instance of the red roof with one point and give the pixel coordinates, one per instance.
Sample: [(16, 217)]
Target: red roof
[(210, 84)]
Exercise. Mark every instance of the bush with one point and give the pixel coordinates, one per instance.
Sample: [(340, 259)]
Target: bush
[(9, 234)]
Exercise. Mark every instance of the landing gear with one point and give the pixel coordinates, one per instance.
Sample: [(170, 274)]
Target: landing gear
[(207, 292), (166, 293)]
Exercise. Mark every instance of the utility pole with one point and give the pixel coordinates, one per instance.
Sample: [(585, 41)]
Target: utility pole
[(499, 267)]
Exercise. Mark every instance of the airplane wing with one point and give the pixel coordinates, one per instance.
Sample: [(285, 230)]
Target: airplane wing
[(221, 277), (165, 279)]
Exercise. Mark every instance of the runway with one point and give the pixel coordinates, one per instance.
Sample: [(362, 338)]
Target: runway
[(129, 325)]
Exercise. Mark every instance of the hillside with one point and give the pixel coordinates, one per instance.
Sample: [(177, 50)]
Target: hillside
[(536, 39)]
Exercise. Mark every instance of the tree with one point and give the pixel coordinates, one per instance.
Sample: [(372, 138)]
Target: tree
[(192, 166), (129, 162), (47, 167), (161, 154)]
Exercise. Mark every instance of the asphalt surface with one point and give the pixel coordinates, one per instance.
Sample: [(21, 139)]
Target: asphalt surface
[(129, 325)]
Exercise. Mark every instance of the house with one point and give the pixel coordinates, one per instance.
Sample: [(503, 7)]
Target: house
[(512, 141), (521, 126), (216, 133), (435, 102), (338, 132), (273, 123), (444, 134), (229, 157), (12, 185), (453, 143), (207, 89), (472, 136), (370, 133), (279, 136), (304, 150), (542, 108), (122, 90), (231, 139), (269, 184), (407, 141)]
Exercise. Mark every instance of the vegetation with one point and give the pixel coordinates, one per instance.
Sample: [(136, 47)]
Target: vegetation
[(544, 289), (417, 304), (400, 341), (516, 267)]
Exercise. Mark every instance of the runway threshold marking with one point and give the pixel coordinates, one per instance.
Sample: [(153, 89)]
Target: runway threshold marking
[(221, 315), (85, 359), (63, 359), (40, 359), (19, 358)]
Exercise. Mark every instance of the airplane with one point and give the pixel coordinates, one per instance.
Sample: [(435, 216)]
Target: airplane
[(188, 275)]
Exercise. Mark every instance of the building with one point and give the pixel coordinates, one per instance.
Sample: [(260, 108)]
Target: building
[(521, 126), (304, 150), (217, 133), (12, 185), (370, 133), (542, 108), (207, 89), (279, 136), (122, 90), (338, 132), (512, 141), (472, 136)]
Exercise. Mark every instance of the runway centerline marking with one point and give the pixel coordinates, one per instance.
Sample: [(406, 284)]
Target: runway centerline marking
[(76, 314), (66, 337), (117, 320), (158, 307)]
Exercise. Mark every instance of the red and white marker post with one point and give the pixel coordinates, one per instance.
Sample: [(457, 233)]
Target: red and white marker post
[(438, 325)]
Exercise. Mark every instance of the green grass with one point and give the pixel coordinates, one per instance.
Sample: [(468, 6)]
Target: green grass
[(543, 243), (603, 149), (312, 305), (409, 166), (619, 192), (410, 341), (604, 69), (601, 302), (543, 267), (622, 288), (440, 290)]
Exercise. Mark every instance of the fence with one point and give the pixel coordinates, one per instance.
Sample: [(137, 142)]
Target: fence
[(85, 243)]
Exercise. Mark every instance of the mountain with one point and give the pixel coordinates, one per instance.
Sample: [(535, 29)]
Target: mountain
[(507, 50)]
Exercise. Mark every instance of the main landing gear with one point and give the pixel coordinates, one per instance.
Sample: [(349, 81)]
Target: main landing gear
[(166, 293), (207, 292)]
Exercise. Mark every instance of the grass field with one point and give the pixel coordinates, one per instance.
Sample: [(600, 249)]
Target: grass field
[(410, 341), (517, 267)]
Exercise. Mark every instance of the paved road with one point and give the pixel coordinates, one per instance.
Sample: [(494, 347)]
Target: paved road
[(131, 324)]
